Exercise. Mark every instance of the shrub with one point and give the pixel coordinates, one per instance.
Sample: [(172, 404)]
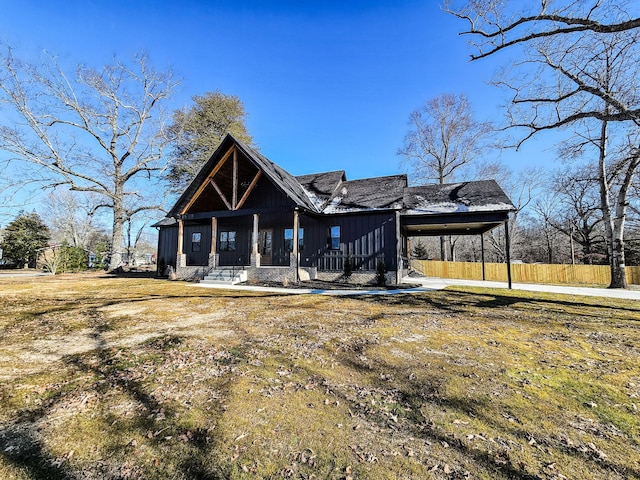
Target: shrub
[(348, 267), (381, 278)]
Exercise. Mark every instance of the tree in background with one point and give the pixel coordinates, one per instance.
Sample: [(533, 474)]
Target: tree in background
[(197, 131), (419, 251), (442, 140), (71, 220), (24, 239), (581, 71), (99, 131)]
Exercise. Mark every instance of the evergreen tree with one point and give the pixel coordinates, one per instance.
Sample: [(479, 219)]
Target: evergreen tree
[(198, 130), (420, 251), (24, 238)]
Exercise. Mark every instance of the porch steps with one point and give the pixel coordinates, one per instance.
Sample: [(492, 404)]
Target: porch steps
[(225, 276)]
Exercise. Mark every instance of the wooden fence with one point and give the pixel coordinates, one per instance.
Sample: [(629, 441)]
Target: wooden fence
[(524, 272)]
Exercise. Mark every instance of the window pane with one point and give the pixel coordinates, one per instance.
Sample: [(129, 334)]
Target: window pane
[(195, 241), (335, 237), (227, 241)]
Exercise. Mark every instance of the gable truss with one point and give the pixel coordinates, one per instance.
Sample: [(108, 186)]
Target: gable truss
[(231, 203)]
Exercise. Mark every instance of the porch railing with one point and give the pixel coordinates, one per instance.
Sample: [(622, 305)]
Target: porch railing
[(335, 261)]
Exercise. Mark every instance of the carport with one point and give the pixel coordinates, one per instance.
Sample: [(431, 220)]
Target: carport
[(467, 208)]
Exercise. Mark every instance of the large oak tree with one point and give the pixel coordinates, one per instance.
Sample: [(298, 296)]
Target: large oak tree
[(95, 130)]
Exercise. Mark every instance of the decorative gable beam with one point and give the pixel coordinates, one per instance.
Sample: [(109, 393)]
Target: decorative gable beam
[(217, 188), (251, 187), (215, 170)]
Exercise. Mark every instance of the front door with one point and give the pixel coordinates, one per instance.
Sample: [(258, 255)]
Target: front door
[(265, 246)]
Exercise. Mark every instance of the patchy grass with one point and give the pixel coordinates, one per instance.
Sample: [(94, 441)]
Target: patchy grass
[(107, 377)]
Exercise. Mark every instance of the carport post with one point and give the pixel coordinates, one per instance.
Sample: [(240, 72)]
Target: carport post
[(508, 251), (484, 277)]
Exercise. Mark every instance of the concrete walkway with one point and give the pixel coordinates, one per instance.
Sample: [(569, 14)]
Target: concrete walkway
[(431, 284)]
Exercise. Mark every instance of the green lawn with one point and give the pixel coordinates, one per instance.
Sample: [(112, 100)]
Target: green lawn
[(105, 377)]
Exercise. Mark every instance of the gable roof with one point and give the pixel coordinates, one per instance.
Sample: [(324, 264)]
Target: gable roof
[(278, 176), (476, 196), (330, 193)]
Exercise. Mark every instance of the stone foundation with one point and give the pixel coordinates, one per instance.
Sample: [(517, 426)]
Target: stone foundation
[(286, 275), (356, 278)]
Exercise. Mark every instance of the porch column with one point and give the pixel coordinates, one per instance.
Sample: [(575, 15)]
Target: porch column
[(255, 255), (213, 254), (508, 251), (399, 270), (294, 260), (181, 258)]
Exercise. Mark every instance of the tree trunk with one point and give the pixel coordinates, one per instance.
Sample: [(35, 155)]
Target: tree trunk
[(117, 235), (614, 227)]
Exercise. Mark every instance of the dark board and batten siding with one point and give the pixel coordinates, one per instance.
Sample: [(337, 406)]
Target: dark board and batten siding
[(197, 252), (167, 248), (366, 238)]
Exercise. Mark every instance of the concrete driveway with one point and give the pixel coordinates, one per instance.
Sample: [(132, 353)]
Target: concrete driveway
[(439, 283)]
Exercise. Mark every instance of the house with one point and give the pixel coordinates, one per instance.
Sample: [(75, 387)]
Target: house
[(243, 212)]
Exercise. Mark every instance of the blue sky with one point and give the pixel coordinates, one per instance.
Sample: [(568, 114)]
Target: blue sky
[(327, 84)]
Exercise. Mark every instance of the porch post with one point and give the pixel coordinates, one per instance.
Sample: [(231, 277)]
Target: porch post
[(213, 254), (398, 249), (294, 262), (255, 255), (181, 260), (508, 251), (484, 277)]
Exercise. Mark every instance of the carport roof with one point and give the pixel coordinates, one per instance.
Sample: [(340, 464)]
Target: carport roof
[(454, 209)]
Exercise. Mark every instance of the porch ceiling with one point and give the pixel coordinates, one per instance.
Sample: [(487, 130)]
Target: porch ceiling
[(451, 224)]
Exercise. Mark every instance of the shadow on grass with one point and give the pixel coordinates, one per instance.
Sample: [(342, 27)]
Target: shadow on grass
[(22, 446), (457, 301), (411, 395)]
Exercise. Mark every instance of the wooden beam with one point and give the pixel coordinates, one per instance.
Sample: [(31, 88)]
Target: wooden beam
[(251, 187), (214, 235), (180, 236), (215, 170), (234, 194), (217, 188)]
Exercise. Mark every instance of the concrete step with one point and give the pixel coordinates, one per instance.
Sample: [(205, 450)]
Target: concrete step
[(225, 276)]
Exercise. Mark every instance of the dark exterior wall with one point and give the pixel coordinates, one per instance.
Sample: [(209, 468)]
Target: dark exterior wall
[(366, 237), (167, 248), (265, 195), (242, 226), (197, 254)]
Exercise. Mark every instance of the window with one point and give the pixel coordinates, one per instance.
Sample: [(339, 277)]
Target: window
[(334, 237), (227, 241), (195, 241), (288, 239)]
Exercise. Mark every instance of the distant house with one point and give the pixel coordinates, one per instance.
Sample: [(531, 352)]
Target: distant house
[(244, 212)]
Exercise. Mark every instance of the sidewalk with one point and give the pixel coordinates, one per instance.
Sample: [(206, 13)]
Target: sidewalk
[(430, 284)]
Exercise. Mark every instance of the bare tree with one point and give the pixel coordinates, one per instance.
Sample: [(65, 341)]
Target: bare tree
[(580, 69), (69, 218), (99, 131), (443, 138)]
